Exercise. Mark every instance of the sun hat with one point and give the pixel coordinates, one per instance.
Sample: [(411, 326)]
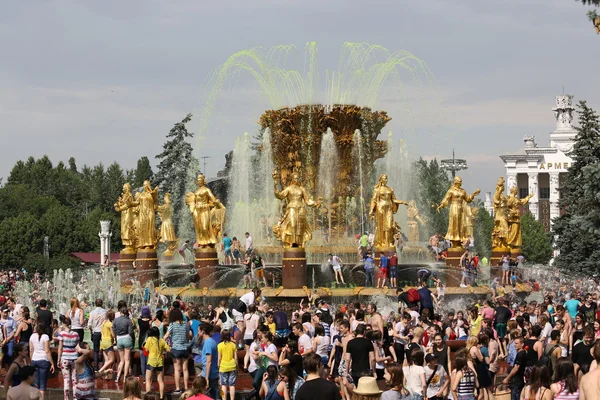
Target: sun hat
[(367, 385)]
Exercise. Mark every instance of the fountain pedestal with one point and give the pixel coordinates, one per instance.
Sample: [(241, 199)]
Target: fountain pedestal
[(126, 259), (453, 256), (293, 271), (205, 262), (146, 266)]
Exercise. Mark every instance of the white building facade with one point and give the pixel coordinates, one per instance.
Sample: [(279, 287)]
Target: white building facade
[(542, 170)]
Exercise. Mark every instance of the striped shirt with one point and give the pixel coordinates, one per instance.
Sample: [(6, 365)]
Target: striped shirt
[(179, 335), (69, 340), (564, 393), (466, 385), (85, 388)]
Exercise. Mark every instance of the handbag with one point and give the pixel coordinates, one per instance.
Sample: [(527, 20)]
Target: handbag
[(145, 351)]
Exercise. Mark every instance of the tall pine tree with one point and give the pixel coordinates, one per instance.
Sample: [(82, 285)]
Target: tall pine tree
[(175, 173), (142, 172), (578, 229)]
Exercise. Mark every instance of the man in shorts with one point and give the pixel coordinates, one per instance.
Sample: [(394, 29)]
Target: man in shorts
[(247, 278), (227, 242), (393, 270), (259, 268), (383, 270), (336, 263)]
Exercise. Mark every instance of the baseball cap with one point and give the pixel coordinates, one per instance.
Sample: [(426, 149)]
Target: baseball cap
[(430, 357)]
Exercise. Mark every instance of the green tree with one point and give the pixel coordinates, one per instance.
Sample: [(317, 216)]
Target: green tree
[(176, 168), (537, 243), (143, 172), (593, 14), (431, 183), (20, 236), (483, 230), (578, 229)]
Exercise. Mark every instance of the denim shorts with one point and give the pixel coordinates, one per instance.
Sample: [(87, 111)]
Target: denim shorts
[(180, 354), (228, 378), (125, 343), (151, 368)]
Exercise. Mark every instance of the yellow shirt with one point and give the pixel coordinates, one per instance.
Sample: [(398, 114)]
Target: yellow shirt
[(156, 348), (476, 325), (272, 327), (227, 351), (106, 332)]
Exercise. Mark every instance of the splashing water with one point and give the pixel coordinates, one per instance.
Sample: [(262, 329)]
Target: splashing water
[(362, 71)]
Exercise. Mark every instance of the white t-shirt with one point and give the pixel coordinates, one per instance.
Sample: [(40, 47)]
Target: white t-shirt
[(304, 343), (270, 350), (16, 313), (412, 375), (39, 351), (248, 298), (415, 317), (248, 242), (437, 382), (252, 366), (399, 328)]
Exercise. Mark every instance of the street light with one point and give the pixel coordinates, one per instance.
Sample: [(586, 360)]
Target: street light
[(454, 164)]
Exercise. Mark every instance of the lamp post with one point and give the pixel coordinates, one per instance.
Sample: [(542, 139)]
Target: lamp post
[(454, 164)]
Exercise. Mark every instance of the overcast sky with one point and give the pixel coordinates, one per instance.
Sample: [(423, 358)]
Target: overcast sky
[(106, 80)]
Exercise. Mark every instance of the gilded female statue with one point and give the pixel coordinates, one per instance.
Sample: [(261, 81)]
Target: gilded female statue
[(147, 204), (413, 219), (382, 209), (515, 239), (124, 205), (456, 197), (200, 203), (167, 229), (500, 214), (293, 228)]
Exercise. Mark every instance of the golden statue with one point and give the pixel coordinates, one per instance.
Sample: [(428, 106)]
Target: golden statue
[(218, 219), (515, 239), (167, 229), (470, 216), (124, 205), (201, 202), (413, 219), (293, 228), (147, 204), (456, 197), (382, 209), (500, 216)]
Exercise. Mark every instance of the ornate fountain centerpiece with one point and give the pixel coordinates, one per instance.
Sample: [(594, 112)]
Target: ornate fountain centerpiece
[(297, 145)]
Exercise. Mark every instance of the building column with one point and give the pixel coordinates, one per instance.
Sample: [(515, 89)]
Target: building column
[(511, 180), (554, 208), (104, 235), (533, 189)]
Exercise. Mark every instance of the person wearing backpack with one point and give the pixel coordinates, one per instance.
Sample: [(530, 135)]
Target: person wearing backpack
[(224, 316), (552, 352)]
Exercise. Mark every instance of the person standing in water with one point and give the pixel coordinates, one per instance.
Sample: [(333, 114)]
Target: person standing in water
[(336, 263)]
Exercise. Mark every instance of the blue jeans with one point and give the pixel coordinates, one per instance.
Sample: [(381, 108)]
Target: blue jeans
[(143, 363), (213, 389), (515, 391), (42, 369), (369, 278)]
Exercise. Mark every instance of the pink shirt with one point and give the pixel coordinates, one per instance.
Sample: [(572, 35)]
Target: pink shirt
[(487, 312)]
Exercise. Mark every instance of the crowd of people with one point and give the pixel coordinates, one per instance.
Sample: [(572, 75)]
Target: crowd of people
[(536, 350)]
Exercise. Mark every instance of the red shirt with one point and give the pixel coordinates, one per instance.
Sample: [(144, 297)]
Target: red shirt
[(393, 261)]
